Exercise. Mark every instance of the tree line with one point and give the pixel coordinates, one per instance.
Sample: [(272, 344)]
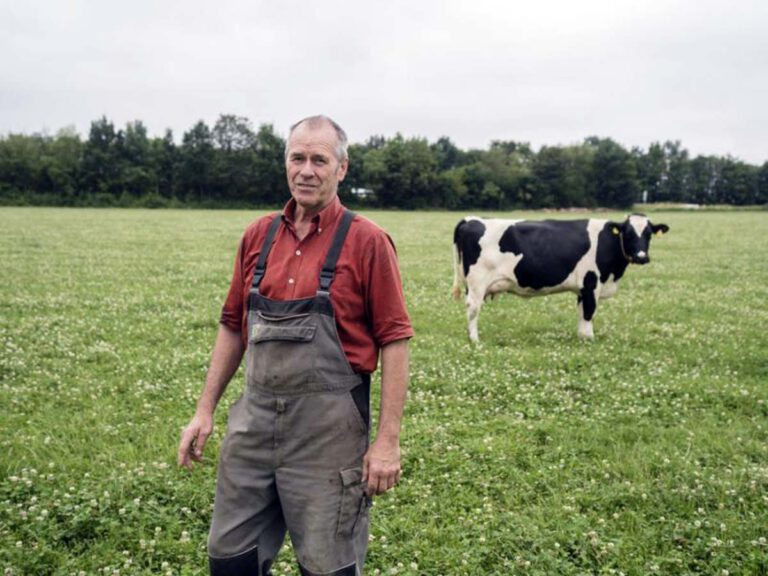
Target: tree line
[(232, 164)]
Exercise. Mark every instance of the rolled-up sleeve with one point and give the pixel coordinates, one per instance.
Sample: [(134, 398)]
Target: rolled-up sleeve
[(387, 310), (232, 311)]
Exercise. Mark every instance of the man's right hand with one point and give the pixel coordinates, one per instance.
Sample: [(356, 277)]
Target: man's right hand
[(193, 440)]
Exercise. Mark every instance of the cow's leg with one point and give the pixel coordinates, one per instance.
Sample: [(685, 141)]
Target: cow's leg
[(474, 303), (587, 305)]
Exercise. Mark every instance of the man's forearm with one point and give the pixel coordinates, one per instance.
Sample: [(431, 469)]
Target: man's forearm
[(394, 389), (225, 360)]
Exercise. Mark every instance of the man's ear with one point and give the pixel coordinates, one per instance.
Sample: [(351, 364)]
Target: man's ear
[(342, 171)]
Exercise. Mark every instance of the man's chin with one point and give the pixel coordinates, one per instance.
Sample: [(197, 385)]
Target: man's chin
[(310, 201), (306, 201)]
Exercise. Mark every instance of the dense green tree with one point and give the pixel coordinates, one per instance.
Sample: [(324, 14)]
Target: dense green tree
[(580, 185), (522, 151), (403, 173), (63, 165), (101, 166), (355, 178), (762, 184), (498, 178), (39, 168), (195, 164), (269, 185), (738, 183), (232, 133), (615, 174), (674, 184), (561, 177), (137, 175), (705, 172), (550, 175), (452, 189), (447, 155), (231, 164), (651, 171), (20, 164), (507, 167), (164, 157)]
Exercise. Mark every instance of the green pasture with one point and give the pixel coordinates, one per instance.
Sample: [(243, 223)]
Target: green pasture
[(642, 452)]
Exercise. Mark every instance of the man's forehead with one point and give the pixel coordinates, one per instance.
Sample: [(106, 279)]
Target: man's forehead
[(307, 135)]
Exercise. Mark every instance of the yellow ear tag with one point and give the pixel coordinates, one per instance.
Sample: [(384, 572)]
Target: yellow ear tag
[(659, 233), (615, 231)]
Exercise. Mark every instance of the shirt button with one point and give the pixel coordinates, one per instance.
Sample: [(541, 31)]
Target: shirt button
[(290, 280), (298, 252), (319, 230)]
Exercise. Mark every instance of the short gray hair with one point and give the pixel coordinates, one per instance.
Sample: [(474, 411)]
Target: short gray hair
[(319, 121)]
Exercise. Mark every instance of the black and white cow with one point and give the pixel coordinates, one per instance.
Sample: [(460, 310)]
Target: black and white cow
[(531, 258)]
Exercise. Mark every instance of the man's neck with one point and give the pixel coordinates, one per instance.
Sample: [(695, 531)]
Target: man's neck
[(302, 220)]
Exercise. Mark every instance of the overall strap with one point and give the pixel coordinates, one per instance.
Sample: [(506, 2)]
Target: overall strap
[(329, 268), (261, 263)]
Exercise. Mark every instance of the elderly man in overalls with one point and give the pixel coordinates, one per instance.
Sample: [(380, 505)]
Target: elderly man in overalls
[(315, 298)]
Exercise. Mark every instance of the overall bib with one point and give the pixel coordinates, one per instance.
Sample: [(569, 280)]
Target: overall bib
[(292, 455)]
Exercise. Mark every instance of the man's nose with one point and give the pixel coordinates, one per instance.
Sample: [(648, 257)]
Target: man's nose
[(306, 169)]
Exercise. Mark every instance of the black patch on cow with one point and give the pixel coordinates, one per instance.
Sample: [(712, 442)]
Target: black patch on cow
[(466, 237), (550, 248), (587, 295), (610, 258)]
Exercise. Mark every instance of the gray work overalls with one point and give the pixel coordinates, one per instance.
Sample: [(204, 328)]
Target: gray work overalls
[(292, 456)]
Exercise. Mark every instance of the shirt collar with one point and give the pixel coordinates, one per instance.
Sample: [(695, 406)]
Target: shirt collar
[(323, 219)]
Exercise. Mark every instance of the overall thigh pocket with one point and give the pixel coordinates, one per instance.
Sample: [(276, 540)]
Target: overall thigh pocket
[(354, 501)]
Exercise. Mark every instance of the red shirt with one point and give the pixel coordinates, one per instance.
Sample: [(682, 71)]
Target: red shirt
[(366, 294)]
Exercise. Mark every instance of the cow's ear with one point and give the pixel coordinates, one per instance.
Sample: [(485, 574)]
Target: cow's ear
[(660, 229)]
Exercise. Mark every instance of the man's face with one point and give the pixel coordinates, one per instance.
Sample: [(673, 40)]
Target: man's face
[(313, 170)]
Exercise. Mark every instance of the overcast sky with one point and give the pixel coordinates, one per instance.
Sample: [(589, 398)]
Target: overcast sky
[(546, 72)]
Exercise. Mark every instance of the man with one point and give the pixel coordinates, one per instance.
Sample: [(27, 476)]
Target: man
[(315, 297)]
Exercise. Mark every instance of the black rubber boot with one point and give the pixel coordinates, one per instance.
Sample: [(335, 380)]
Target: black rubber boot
[(241, 565)]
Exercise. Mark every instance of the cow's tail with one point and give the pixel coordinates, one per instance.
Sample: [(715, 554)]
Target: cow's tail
[(458, 270)]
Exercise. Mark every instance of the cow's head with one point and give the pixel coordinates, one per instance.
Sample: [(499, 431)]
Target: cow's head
[(635, 237)]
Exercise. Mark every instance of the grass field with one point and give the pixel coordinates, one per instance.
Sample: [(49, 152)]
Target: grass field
[(642, 452)]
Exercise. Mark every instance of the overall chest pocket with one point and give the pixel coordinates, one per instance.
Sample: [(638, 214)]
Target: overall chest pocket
[(289, 328)]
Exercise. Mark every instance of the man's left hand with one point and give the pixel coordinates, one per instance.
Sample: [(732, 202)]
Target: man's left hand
[(381, 466)]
